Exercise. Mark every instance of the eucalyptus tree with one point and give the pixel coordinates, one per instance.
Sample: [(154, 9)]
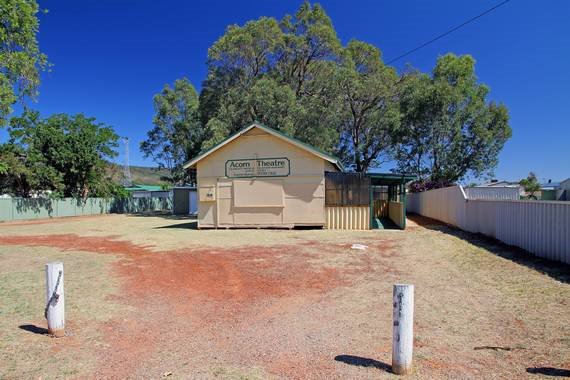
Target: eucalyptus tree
[(177, 134), (368, 100), (450, 128), (274, 72)]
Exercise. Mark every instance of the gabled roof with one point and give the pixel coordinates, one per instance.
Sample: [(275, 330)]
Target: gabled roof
[(550, 185), (299, 144), (500, 184)]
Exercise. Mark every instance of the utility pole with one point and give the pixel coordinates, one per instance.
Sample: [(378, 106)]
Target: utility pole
[(127, 180)]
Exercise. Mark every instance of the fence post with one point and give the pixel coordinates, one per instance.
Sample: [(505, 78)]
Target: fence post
[(403, 329), (55, 301)]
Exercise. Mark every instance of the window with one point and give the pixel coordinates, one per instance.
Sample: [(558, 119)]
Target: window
[(347, 189)]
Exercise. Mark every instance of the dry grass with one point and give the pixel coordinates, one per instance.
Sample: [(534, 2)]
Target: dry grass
[(274, 303), (26, 351)]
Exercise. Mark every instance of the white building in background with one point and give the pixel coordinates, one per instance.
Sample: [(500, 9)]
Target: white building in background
[(503, 190)]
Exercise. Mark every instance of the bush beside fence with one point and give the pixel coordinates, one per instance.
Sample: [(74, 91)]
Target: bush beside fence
[(37, 208), (540, 227)]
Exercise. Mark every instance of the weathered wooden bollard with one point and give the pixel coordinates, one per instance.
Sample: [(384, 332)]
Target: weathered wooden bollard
[(403, 330), (55, 300)]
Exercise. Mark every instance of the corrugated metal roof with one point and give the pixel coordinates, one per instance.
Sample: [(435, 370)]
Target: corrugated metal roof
[(550, 185), (144, 188)]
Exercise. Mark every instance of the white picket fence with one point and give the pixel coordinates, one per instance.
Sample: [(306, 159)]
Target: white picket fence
[(540, 227)]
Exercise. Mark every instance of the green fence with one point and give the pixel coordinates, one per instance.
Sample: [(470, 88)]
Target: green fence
[(36, 208)]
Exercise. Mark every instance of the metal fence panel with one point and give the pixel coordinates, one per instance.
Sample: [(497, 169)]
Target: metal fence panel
[(6, 209), (36, 208), (540, 227), (66, 207), (32, 208)]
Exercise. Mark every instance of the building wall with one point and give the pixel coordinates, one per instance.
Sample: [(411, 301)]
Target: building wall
[(297, 199), (347, 217), (183, 201), (494, 192), (397, 213)]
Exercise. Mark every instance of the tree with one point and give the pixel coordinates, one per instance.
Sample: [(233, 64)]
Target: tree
[(310, 39), (177, 134), (64, 154), (20, 58), (449, 129), (276, 73), (369, 106), (530, 185)]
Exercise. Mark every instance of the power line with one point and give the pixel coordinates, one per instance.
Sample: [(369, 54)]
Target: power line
[(448, 32)]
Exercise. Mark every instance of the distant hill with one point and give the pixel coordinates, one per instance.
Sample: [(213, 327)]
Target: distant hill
[(141, 175)]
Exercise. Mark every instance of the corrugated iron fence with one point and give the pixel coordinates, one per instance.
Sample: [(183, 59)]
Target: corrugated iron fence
[(36, 208), (540, 227)]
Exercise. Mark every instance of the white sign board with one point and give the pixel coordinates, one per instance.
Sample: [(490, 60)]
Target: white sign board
[(258, 167)]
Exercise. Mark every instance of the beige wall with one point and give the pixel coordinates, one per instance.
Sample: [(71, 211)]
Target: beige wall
[(301, 193), (347, 217), (397, 213)]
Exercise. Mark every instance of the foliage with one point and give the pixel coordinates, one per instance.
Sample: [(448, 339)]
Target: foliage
[(119, 192), (20, 58), (530, 185), (62, 154), (276, 73), (449, 129), (368, 102), (425, 184), (177, 134), (294, 75)]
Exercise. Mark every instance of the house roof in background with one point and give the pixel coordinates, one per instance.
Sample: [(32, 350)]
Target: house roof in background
[(135, 187), (550, 185), (500, 184)]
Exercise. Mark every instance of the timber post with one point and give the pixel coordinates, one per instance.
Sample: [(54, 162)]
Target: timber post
[(55, 300), (403, 329)]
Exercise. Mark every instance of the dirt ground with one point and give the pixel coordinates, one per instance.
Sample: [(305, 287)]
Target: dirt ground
[(151, 297)]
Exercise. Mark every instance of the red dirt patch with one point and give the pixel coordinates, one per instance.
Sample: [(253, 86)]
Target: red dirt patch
[(194, 290), (223, 274)]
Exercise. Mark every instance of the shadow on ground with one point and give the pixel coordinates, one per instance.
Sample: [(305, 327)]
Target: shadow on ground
[(162, 214), (192, 222), (549, 371), (34, 329), (363, 362), (188, 226), (556, 270)]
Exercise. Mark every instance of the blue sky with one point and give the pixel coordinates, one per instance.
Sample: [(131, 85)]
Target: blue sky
[(110, 57)]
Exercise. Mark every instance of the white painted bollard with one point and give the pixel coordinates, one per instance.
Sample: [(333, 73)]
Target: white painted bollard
[(403, 330), (55, 300)]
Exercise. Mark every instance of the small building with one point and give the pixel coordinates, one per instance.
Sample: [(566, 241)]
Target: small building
[(555, 191), (184, 200), (498, 183), (563, 193), (147, 191), (260, 177), (494, 192), (502, 190)]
